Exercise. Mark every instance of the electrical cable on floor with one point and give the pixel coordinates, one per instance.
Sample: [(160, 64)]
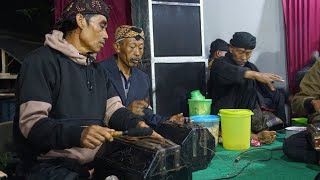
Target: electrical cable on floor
[(223, 160), (241, 155)]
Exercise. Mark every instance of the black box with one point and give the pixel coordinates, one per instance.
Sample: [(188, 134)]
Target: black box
[(197, 143), (140, 159), (313, 131)]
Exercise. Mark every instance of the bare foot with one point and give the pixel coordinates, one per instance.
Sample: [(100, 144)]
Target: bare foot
[(267, 137)]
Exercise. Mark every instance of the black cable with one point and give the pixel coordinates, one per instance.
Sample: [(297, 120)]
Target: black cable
[(237, 159)]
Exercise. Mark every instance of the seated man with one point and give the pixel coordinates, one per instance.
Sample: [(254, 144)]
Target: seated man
[(218, 48), (300, 74), (236, 83), (305, 103), (132, 84), (66, 106)]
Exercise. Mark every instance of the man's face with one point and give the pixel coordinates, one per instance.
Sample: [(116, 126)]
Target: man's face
[(130, 51), (240, 55), (94, 33)]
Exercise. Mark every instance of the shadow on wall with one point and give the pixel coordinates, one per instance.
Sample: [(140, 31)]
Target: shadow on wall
[(269, 62), (271, 41)]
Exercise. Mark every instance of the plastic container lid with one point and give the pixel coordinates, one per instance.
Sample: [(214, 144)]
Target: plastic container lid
[(301, 120), (205, 118), (235, 112)]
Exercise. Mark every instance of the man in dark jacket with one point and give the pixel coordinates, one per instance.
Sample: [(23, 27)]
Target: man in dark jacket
[(66, 105), (236, 83), (131, 84), (218, 48)]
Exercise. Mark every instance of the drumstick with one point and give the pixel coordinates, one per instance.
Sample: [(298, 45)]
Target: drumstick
[(135, 132)]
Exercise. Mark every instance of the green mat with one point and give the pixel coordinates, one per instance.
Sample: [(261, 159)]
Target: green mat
[(278, 167)]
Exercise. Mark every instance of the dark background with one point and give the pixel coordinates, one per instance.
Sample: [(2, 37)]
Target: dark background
[(23, 25), (27, 19)]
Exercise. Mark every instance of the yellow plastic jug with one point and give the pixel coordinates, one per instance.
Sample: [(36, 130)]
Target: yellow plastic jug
[(236, 128)]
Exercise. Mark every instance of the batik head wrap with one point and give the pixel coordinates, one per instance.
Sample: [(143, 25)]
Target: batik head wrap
[(126, 31), (75, 7)]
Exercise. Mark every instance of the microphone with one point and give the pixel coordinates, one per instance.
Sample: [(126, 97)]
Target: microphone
[(135, 132)]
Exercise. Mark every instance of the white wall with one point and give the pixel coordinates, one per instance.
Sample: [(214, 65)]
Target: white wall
[(262, 18)]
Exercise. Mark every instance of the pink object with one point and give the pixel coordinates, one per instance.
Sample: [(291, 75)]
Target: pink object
[(255, 142)]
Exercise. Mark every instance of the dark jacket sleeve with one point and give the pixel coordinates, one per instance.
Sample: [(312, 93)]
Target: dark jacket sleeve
[(152, 119), (49, 134), (227, 73), (123, 119)]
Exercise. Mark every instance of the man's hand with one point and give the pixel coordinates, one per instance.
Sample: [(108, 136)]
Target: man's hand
[(154, 134), (178, 118), (94, 135), (138, 106), (316, 104), (266, 78)]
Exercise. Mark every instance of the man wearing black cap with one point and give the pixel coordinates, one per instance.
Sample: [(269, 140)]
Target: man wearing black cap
[(65, 103), (132, 84), (236, 83), (218, 48)]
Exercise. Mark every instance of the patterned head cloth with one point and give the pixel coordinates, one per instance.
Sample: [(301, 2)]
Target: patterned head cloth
[(85, 7), (126, 31)]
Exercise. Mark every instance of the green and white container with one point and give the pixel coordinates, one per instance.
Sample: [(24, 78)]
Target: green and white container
[(198, 105)]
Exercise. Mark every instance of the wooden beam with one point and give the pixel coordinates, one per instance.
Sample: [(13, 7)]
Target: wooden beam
[(8, 76)]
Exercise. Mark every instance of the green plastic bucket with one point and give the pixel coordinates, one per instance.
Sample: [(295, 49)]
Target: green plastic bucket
[(199, 106)]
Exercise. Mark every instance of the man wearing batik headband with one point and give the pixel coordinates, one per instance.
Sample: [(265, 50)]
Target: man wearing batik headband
[(132, 84), (237, 83), (66, 106)]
